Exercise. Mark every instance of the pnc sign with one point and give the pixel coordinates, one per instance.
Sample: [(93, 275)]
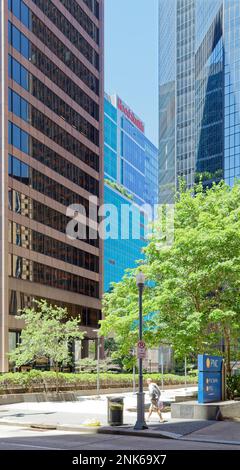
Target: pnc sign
[(208, 363), (130, 115), (209, 378)]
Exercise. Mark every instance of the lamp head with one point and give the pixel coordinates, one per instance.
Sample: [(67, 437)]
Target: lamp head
[(140, 279)]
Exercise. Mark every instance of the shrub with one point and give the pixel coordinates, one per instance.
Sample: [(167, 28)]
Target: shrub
[(90, 365), (34, 379), (233, 386)]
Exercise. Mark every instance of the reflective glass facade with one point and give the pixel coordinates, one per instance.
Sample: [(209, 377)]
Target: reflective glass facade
[(130, 158), (232, 90), (130, 167), (167, 100), (210, 103), (52, 156), (119, 253), (207, 31)]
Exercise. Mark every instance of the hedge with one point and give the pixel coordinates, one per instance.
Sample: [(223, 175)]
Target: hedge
[(39, 381)]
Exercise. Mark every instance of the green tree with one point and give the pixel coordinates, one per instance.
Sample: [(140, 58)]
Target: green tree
[(47, 333), (196, 289)]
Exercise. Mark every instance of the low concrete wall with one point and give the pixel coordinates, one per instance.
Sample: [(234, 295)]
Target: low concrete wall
[(209, 411), (74, 395)]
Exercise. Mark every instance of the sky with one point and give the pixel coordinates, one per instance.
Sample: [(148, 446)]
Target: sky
[(131, 57)]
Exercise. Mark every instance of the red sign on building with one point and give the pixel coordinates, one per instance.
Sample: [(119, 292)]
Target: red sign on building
[(130, 115)]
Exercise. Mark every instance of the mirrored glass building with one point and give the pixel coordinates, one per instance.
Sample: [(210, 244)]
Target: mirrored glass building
[(198, 92), (131, 180)]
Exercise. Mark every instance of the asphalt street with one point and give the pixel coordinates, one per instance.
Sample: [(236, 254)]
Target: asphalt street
[(13, 438)]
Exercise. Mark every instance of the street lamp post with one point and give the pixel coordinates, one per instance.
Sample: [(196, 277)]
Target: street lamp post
[(140, 423), (98, 362)]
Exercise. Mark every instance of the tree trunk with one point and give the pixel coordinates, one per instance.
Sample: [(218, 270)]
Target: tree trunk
[(57, 377), (227, 351)]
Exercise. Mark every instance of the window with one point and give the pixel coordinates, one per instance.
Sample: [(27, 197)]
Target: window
[(13, 339), (9, 165), (24, 78), (16, 104), (16, 168), (41, 61), (16, 38), (16, 137), (16, 8), (67, 28), (16, 71), (24, 14), (13, 303), (74, 8), (24, 46), (24, 110), (24, 173)]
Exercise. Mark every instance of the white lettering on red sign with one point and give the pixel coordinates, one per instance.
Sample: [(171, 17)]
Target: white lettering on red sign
[(130, 115)]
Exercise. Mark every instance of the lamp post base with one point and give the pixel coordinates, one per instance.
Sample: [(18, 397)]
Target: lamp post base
[(140, 423)]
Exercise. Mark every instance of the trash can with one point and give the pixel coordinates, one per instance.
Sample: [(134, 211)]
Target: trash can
[(115, 411)]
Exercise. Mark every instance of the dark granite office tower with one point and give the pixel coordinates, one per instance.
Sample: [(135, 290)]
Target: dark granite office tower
[(199, 89), (51, 157)]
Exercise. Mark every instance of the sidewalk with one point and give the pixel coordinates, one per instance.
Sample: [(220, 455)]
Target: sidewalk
[(217, 432), (89, 415)]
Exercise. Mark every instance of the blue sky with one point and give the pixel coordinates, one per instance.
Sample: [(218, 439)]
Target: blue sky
[(131, 57)]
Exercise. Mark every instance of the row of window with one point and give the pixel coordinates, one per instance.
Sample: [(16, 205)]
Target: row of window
[(24, 14), (69, 31), (43, 184), (132, 152), (77, 12), (49, 68), (22, 44), (93, 5), (42, 93), (40, 152), (62, 109), (25, 269), (57, 46), (35, 210), (51, 100), (20, 300), (25, 237), (27, 112)]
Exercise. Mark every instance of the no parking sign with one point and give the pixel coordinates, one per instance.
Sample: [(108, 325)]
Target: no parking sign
[(141, 350)]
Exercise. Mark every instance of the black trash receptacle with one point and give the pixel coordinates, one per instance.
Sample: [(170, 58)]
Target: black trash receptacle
[(115, 411)]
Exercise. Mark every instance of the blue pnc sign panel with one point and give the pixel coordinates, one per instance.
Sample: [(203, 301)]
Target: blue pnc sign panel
[(209, 378), (209, 363)]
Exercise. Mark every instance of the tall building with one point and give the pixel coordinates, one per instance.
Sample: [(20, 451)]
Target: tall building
[(52, 142), (131, 180), (199, 92)]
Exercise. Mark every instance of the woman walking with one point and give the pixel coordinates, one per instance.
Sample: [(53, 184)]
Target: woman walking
[(156, 404)]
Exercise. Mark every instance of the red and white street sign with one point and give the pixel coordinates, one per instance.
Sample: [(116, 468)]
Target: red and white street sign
[(141, 350)]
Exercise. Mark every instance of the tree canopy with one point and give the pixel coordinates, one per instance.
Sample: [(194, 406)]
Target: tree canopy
[(47, 333), (195, 282)]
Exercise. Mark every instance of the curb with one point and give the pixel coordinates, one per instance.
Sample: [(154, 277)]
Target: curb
[(211, 441), (131, 432), (162, 435), (52, 427)]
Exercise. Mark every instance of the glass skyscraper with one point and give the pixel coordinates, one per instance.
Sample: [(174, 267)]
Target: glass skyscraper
[(131, 179), (203, 74), (51, 157)]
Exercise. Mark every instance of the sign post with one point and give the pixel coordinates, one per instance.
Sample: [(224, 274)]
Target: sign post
[(210, 378)]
